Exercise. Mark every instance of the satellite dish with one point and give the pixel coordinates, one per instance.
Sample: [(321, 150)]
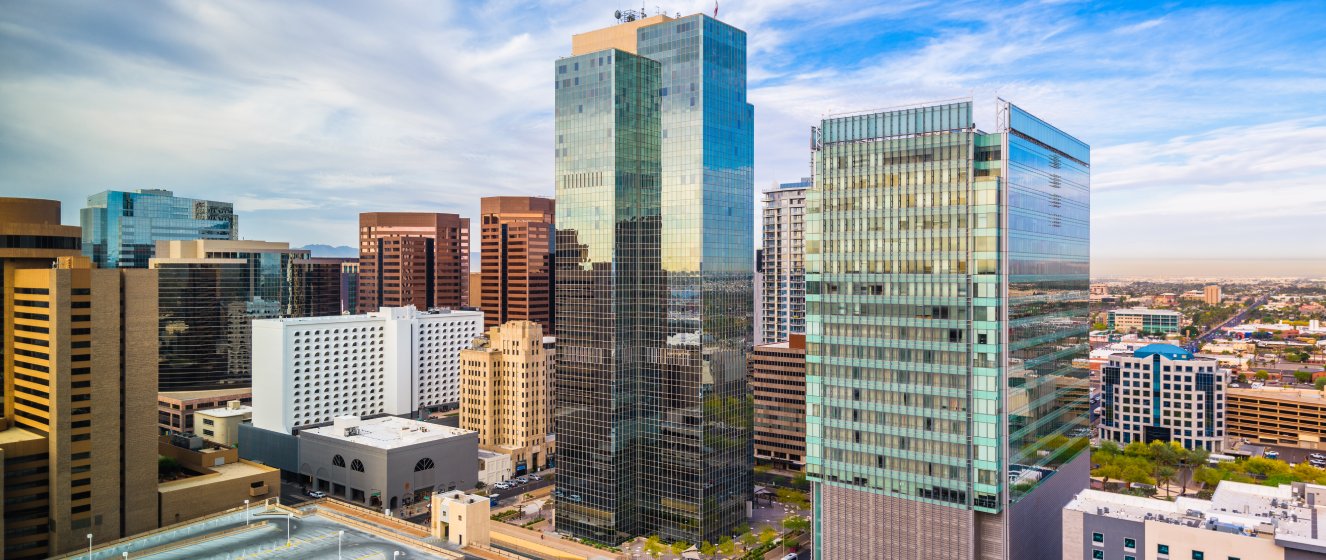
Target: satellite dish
[(617, 14)]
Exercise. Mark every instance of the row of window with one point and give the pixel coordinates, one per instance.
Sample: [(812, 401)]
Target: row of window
[(1130, 545)]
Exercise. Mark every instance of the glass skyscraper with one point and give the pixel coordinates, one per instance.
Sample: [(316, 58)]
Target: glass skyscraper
[(120, 229), (947, 286), (654, 257), (211, 291)]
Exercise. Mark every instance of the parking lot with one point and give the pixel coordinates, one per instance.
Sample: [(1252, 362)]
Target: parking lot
[(515, 491)]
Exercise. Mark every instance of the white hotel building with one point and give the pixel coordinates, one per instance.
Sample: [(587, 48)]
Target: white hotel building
[(394, 361)]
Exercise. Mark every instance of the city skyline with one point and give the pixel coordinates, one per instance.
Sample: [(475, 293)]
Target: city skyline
[(294, 128)]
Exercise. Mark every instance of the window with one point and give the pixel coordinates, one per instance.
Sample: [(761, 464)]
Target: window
[(1098, 555), (1130, 544), (423, 464), (357, 465), (1198, 555), (1162, 549), (339, 461), (1097, 538)]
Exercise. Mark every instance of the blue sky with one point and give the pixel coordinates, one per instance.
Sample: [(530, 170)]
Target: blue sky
[(1207, 120)]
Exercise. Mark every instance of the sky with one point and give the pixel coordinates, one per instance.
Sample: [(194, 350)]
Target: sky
[(1207, 120)]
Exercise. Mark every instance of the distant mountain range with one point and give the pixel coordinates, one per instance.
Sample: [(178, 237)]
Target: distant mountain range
[(340, 251)]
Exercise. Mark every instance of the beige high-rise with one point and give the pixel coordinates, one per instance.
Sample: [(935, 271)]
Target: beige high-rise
[(504, 393), (84, 362)]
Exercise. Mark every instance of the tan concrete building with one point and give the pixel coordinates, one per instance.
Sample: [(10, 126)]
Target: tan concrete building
[(516, 268), (221, 425), (1211, 295), (778, 380), (504, 393), (73, 329), (1280, 416), (460, 519), (210, 480), (175, 409), (413, 258)]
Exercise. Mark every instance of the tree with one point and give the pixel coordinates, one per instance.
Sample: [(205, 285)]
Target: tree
[(1107, 472), (708, 549), (1165, 475), (1262, 375), (1320, 383), (767, 535), (680, 547), (1303, 376), (791, 497), (726, 547), (654, 546), (796, 523), (749, 539), (167, 465)]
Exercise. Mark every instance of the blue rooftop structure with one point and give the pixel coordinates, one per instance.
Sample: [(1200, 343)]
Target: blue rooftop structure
[(1167, 351)]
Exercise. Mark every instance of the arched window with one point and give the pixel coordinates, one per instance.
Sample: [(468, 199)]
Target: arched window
[(356, 465), (338, 461), (423, 464)]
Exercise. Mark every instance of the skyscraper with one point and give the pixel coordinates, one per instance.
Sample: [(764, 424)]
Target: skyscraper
[(947, 284), (783, 262), (210, 293), (516, 260), (654, 273), (413, 258), (121, 229), (84, 364)]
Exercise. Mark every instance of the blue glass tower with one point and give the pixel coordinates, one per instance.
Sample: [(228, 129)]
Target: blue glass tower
[(947, 285), (120, 229), (652, 415)]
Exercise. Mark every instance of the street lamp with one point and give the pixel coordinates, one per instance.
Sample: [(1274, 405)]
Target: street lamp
[(89, 546), (339, 534), (287, 529), (124, 555), (246, 512)]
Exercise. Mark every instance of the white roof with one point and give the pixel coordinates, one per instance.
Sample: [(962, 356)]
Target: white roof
[(224, 412), (389, 432)]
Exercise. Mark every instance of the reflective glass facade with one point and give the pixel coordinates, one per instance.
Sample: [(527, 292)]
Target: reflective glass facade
[(208, 304), (120, 229), (680, 416), (947, 282)]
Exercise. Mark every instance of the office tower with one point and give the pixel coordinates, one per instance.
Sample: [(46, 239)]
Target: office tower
[(121, 229), (1143, 320), (778, 384), (413, 258), (397, 360), (84, 364), (516, 260), (350, 286), (1211, 294), (504, 393), (1163, 392), (212, 290), (653, 176), (783, 270), (947, 281)]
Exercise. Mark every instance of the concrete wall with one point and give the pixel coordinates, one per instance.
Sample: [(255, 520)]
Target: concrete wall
[(391, 472), (1114, 531), (1036, 521), (215, 492), (269, 448)]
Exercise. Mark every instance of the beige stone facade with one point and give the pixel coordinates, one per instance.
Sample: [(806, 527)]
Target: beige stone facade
[(76, 328), (504, 393), (621, 36), (217, 480), (175, 408), (1278, 416), (461, 519), (221, 425)]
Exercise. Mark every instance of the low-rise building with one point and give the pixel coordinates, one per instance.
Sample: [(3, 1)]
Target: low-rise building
[(1141, 319), (209, 479), (221, 425), (387, 462), (175, 408), (1239, 522), (1281, 416), (1163, 392), (494, 467), (460, 519), (397, 360)]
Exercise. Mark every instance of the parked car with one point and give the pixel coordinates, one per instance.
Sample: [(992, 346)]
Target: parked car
[(535, 477), (317, 494), (1271, 454), (1317, 456)]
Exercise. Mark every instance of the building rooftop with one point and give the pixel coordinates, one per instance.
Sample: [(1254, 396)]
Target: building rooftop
[(1251, 509), (228, 471), (407, 312), (1310, 396), (226, 412), (209, 394), (1144, 310), (1167, 351), (388, 432), (15, 434)]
